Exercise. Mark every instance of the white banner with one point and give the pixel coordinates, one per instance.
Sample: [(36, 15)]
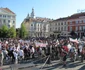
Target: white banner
[(73, 40)]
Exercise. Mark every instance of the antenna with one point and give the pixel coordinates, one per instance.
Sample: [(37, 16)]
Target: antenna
[(78, 11), (82, 10)]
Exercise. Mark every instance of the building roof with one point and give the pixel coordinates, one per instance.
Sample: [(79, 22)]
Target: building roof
[(77, 15), (8, 10), (61, 19), (74, 16), (39, 19)]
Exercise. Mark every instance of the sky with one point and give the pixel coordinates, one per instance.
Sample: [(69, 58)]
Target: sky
[(53, 9)]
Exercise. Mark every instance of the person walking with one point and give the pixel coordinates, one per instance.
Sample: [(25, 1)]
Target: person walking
[(65, 52), (1, 57)]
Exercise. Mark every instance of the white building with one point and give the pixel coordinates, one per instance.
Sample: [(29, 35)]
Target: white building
[(45, 29), (7, 17), (37, 26), (59, 26)]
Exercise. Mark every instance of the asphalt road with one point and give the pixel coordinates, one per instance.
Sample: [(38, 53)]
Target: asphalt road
[(55, 65)]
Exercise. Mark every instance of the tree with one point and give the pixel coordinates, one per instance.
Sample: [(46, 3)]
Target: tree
[(4, 31), (0, 33), (23, 32), (12, 32), (18, 32), (73, 34)]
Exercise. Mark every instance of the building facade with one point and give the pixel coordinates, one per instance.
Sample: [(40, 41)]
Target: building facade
[(59, 27), (37, 26), (7, 17), (77, 23)]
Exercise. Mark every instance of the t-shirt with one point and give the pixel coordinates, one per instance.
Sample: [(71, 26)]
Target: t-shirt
[(72, 49), (65, 48), (80, 48), (69, 47)]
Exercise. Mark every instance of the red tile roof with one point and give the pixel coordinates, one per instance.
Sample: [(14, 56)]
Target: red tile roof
[(77, 15), (61, 19), (39, 19), (74, 16), (7, 9)]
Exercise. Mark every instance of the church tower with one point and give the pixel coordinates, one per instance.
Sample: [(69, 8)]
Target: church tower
[(32, 13), (27, 16)]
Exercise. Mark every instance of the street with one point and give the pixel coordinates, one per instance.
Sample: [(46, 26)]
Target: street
[(55, 65)]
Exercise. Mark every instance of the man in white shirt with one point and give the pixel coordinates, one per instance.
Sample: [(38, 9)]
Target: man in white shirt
[(21, 54), (69, 46)]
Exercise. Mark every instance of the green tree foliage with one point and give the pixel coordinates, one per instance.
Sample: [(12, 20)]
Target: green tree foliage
[(23, 32), (73, 34), (4, 31), (0, 32), (18, 32), (12, 32)]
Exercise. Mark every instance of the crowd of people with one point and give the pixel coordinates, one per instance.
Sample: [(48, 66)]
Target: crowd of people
[(15, 50)]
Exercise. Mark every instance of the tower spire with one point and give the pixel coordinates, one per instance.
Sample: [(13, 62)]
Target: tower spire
[(28, 15), (32, 13)]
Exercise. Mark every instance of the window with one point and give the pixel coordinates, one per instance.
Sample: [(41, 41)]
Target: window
[(76, 28), (80, 28), (65, 23), (58, 23), (83, 27), (61, 28), (13, 25), (56, 28), (8, 21), (65, 28), (38, 24), (76, 22), (70, 22), (13, 21), (83, 21), (9, 26), (13, 16), (50, 29), (61, 23), (0, 15), (9, 16), (80, 21), (70, 28), (4, 21), (4, 16), (31, 24), (0, 21)]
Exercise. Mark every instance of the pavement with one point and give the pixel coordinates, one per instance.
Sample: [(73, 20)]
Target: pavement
[(55, 65)]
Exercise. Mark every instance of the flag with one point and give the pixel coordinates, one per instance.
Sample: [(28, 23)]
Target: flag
[(74, 40)]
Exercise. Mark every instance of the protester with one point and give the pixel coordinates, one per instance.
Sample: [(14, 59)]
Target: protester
[(28, 49), (1, 58)]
